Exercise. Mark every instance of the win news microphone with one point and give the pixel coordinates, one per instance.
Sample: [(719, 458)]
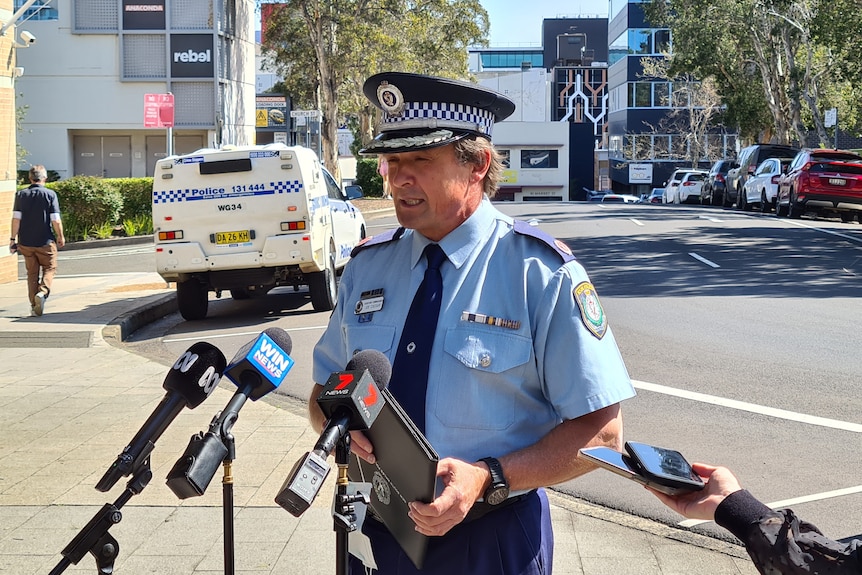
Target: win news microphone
[(351, 400), (190, 381), (258, 367)]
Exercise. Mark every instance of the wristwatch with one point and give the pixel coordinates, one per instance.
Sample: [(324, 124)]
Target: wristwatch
[(498, 491)]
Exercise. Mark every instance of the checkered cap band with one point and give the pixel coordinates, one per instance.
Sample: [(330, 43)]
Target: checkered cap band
[(439, 115)]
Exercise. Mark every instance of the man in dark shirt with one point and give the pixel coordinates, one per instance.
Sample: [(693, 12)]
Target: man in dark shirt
[(37, 226)]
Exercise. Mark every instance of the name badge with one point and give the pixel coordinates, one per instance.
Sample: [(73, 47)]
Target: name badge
[(369, 302)]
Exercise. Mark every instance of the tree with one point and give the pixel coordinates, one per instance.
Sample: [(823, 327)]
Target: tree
[(325, 49)]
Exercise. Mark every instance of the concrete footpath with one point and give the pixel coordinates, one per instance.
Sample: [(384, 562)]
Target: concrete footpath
[(72, 397)]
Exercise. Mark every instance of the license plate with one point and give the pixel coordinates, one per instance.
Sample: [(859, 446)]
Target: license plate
[(837, 181), (232, 237)]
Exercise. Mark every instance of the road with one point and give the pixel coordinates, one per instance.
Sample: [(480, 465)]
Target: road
[(740, 330)]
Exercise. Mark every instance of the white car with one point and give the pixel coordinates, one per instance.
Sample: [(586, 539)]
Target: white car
[(620, 199), (684, 186), (761, 188)]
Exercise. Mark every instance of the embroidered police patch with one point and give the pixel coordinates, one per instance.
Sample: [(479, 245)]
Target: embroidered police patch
[(592, 313)]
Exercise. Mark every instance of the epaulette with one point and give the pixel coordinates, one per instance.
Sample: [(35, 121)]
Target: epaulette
[(377, 240), (524, 228)]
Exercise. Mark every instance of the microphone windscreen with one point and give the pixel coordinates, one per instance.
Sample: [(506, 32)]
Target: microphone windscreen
[(281, 338), (375, 362), (196, 373)]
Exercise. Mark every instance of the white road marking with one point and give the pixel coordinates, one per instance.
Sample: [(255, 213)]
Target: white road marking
[(816, 229), (239, 334), (790, 502), (750, 407), (637, 222), (711, 219), (703, 260)]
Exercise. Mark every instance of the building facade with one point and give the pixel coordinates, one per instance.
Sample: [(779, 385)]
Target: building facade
[(85, 80), (645, 145)]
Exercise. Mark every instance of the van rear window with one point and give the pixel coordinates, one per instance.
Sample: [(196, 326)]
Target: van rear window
[(226, 166)]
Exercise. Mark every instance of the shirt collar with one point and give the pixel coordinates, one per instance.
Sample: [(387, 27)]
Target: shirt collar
[(461, 241)]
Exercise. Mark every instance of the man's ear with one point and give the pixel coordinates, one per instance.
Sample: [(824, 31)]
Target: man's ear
[(478, 172)]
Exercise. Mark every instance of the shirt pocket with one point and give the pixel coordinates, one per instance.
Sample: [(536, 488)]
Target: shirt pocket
[(482, 377), (361, 337)]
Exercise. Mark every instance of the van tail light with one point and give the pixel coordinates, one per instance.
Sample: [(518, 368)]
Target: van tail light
[(293, 226), (775, 179), (719, 178), (172, 235)]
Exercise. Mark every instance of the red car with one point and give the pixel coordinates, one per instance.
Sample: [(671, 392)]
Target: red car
[(822, 181)]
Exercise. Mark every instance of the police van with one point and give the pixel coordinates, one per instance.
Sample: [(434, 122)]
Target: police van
[(248, 219)]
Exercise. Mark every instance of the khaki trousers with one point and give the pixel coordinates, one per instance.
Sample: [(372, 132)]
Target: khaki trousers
[(42, 259)]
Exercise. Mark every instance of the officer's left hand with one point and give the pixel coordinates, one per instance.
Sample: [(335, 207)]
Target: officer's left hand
[(463, 484)]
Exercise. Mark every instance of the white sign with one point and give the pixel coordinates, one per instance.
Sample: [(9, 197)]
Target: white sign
[(640, 173), (831, 117), (305, 113)]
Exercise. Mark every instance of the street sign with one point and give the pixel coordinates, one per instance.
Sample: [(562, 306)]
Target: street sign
[(831, 117), (159, 110), (305, 113)]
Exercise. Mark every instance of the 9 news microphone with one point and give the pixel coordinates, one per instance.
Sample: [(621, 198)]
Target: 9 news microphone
[(190, 381), (259, 367), (351, 400)]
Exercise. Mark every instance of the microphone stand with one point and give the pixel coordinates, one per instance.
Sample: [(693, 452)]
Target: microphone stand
[(227, 497), (94, 537), (343, 515)]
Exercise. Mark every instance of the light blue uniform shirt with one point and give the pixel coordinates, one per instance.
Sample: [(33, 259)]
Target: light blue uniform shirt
[(492, 389)]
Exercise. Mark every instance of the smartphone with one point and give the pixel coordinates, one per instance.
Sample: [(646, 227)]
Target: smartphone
[(663, 466), (623, 465)]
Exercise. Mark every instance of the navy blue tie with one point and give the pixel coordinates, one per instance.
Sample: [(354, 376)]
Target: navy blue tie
[(410, 370)]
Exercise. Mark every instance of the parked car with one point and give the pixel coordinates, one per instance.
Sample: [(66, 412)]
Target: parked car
[(596, 195), (822, 181), (749, 158), (620, 199), (761, 189), (713, 192), (672, 193), (656, 196), (688, 189)]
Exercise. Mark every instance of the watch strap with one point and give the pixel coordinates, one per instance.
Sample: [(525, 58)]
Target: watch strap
[(497, 477)]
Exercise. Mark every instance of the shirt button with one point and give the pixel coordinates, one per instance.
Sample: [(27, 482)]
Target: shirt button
[(485, 360)]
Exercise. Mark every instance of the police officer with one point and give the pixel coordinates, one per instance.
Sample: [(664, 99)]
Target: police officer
[(777, 541), (522, 369)]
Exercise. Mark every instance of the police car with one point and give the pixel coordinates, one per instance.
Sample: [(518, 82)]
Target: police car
[(248, 219)]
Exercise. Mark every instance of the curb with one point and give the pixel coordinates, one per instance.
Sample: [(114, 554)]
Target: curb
[(121, 327), (88, 244)]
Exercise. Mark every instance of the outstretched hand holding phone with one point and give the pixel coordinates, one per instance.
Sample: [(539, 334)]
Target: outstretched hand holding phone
[(720, 483)]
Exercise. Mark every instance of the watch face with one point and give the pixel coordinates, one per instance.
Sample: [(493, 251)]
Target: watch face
[(497, 495)]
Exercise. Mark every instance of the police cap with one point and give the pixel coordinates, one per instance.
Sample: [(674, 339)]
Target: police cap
[(426, 111)]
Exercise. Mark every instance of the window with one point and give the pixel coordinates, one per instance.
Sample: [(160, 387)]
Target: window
[(511, 59), (39, 10), (504, 157), (539, 159)]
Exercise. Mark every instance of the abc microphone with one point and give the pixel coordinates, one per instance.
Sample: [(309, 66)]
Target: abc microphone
[(351, 400), (259, 367), (190, 381)]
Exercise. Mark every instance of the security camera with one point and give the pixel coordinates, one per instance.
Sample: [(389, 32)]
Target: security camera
[(27, 37)]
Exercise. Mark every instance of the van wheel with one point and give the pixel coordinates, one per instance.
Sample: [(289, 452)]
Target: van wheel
[(192, 299), (323, 287)]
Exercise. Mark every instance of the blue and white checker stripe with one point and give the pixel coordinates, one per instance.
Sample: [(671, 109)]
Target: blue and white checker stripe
[(195, 194), (439, 114)]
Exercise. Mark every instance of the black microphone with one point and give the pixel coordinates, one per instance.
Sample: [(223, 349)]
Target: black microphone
[(258, 367), (191, 380), (351, 400)]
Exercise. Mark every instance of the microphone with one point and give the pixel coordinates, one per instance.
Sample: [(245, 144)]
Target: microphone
[(259, 367), (191, 380), (351, 400)]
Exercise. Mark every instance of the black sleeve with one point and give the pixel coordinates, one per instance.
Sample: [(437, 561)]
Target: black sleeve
[(781, 544)]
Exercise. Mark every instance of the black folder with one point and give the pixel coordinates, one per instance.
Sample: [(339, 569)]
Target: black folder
[(405, 471)]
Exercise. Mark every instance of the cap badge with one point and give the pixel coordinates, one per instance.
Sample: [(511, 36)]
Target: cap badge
[(391, 99)]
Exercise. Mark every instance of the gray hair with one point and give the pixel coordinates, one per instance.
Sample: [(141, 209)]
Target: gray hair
[(472, 151), (38, 173)]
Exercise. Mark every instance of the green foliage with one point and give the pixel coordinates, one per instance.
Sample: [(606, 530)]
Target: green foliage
[(137, 196), (102, 231), (368, 177), (96, 207), (23, 177)]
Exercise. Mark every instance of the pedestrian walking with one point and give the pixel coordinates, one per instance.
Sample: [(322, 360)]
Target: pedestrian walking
[(38, 228)]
